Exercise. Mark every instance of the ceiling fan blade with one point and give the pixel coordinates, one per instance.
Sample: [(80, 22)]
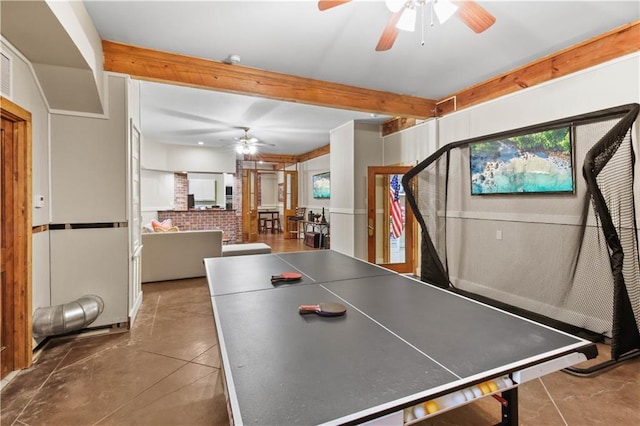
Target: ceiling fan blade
[(474, 16), (262, 144), (390, 32), (194, 132), (174, 113), (328, 4)]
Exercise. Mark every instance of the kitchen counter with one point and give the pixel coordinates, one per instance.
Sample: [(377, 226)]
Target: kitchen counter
[(196, 220)]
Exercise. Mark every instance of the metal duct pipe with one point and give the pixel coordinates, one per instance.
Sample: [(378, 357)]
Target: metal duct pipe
[(71, 316)]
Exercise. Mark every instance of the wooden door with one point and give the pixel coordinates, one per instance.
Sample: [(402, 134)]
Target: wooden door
[(15, 238), (249, 205), (7, 348), (390, 221), (290, 200)]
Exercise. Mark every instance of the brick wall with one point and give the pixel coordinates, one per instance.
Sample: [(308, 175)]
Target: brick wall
[(230, 221), (180, 191), (196, 220)]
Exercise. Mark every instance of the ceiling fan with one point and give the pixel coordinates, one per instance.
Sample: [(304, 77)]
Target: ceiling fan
[(248, 145), (405, 12)]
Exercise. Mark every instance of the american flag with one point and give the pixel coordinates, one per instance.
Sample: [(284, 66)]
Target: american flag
[(397, 222)]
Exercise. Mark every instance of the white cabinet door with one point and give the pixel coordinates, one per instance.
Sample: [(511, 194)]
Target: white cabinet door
[(91, 261), (88, 163), (203, 189)]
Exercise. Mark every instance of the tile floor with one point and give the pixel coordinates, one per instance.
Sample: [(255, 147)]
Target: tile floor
[(166, 371), (610, 398)]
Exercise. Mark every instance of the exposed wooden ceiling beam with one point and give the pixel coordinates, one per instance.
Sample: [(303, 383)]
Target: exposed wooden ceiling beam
[(284, 160), (272, 158), (605, 47), (155, 65), (613, 44), (318, 152), (396, 124)]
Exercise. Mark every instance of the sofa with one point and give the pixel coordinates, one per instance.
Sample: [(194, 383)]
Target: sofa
[(179, 255)]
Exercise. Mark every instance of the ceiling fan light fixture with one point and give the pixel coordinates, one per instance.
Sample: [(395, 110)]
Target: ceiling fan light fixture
[(407, 21), (246, 149), (444, 10)]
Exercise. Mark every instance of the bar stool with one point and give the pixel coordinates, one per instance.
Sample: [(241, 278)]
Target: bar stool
[(268, 225), (293, 222), (275, 226)]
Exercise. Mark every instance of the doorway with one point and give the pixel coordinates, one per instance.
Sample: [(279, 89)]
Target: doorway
[(290, 204), (15, 238), (284, 201), (390, 221), (249, 205)]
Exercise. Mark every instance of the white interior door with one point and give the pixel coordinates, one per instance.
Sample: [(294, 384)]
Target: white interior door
[(135, 224)]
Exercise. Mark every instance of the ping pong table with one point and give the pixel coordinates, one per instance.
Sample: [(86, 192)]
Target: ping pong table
[(402, 345)]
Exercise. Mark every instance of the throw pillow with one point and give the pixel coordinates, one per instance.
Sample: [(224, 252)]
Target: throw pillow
[(163, 226)]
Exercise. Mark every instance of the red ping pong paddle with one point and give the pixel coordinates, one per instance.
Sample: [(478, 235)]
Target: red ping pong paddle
[(286, 276), (326, 309)]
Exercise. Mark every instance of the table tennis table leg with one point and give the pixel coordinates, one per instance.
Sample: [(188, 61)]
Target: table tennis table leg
[(510, 409)]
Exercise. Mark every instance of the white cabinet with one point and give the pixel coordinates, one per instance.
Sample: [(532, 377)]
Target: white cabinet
[(91, 261), (88, 163), (207, 187), (203, 189)]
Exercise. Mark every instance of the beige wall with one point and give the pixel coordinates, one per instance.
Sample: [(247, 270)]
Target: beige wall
[(26, 93), (354, 147), (83, 161), (342, 202), (536, 230), (306, 170), (88, 167), (181, 158), (410, 146), (89, 175), (368, 152), (157, 190)]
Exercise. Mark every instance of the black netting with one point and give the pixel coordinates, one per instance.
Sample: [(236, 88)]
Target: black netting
[(609, 170), (569, 257)]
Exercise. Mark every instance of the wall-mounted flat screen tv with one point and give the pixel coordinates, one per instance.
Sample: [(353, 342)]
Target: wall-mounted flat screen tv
[(322, 185), (533, 163)]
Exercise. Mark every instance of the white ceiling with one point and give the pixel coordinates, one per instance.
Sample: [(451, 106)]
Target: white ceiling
[(337, 45), (183, 115)]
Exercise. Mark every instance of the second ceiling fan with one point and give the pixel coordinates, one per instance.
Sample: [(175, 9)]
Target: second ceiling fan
[(404, 15)]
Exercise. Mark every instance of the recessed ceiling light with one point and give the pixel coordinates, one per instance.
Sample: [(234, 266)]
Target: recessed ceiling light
[(200, 143)]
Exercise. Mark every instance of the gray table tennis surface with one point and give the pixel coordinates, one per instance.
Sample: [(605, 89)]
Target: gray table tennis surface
[(401, 341)]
